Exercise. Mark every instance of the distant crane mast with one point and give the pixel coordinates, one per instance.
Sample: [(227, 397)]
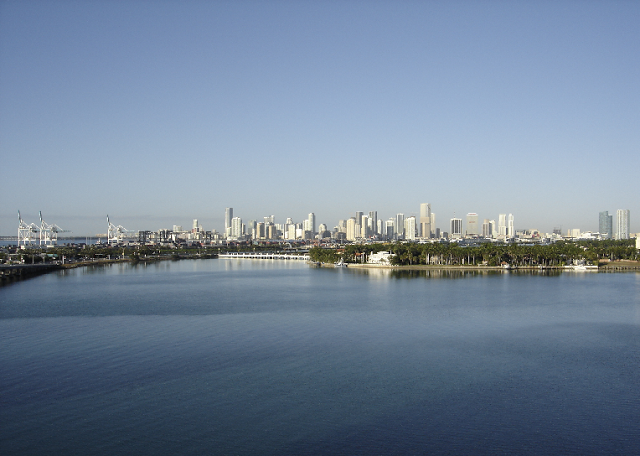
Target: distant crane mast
[(49, 233), (26, 233)]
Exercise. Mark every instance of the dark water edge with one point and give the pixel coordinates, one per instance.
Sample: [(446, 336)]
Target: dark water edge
[(225, 357)]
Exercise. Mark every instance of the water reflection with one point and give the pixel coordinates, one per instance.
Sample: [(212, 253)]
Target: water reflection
[(379, 273), (230, 264), (94, 269)]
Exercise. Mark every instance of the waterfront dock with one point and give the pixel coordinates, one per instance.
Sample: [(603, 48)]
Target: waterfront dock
[(620, 266), (22, 271)]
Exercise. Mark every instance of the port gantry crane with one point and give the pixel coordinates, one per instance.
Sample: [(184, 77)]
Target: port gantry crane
[(49, 233), (26, 232), (116, 234)]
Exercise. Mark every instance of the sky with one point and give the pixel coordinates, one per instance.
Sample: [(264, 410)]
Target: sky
[(158, 113)]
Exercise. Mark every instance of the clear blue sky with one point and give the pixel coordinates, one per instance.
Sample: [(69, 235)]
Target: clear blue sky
[(157, 113)]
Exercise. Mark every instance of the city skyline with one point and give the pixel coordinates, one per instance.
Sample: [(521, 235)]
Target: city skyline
[(354, 228), (157, 114), (503, 225)]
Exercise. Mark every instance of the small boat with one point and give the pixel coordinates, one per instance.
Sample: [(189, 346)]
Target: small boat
[(340, 264), (581, 267)]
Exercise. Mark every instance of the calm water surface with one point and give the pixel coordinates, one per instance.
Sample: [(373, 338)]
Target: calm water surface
[(268, 357)]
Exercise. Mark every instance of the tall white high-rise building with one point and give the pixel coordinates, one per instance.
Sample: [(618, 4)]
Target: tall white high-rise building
[(291, 231), (472, 224), (456, 228), (236, 227), (400, 226), (364, 227), (410, 228), (228, 216), (486, 229), (433, 224), (359, 215), (312, 223), (425, 220), (622, 224), (259, 231), (511, 231), (502, 225), (390, 228), (271, 231), (351, 229), (287, 227), (373, 220), (252, 228)]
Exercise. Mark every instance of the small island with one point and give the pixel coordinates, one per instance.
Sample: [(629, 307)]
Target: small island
[(605, 254)]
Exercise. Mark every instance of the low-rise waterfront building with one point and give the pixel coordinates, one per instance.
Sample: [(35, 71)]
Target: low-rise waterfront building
[(383, 258)]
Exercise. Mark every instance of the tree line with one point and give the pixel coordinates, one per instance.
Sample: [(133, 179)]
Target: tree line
[(489, 254), (36, 254)]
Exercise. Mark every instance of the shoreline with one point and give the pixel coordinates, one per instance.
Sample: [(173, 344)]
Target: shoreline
[(29, 271), (610, 267), (19, 272)]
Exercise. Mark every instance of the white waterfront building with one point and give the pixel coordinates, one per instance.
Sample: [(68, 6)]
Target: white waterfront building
[(383, 258)]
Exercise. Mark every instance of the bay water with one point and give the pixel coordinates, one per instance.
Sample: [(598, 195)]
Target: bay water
[(276, 357)]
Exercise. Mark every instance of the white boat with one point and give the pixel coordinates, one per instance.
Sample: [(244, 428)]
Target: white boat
[(581, 267)]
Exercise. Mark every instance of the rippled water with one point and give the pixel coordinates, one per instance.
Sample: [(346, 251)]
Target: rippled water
[(268, 357)]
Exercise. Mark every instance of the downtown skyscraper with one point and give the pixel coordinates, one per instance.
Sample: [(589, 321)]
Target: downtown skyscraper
[(410, 228), (472, 224), (622, 224), (400, 225), (456, 228), (605, 225), (425, 220), (373, 220), (228, 216)]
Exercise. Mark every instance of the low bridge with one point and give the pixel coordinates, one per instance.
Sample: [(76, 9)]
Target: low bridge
[(265, 256)]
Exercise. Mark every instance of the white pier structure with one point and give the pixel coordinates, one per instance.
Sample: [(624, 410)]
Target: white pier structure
[(266, 256), (49, 233), (26, 233)]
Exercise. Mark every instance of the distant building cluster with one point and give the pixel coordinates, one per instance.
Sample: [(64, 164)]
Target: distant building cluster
[(366, 227), (607, 229), (362, 227), (620, 230)]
